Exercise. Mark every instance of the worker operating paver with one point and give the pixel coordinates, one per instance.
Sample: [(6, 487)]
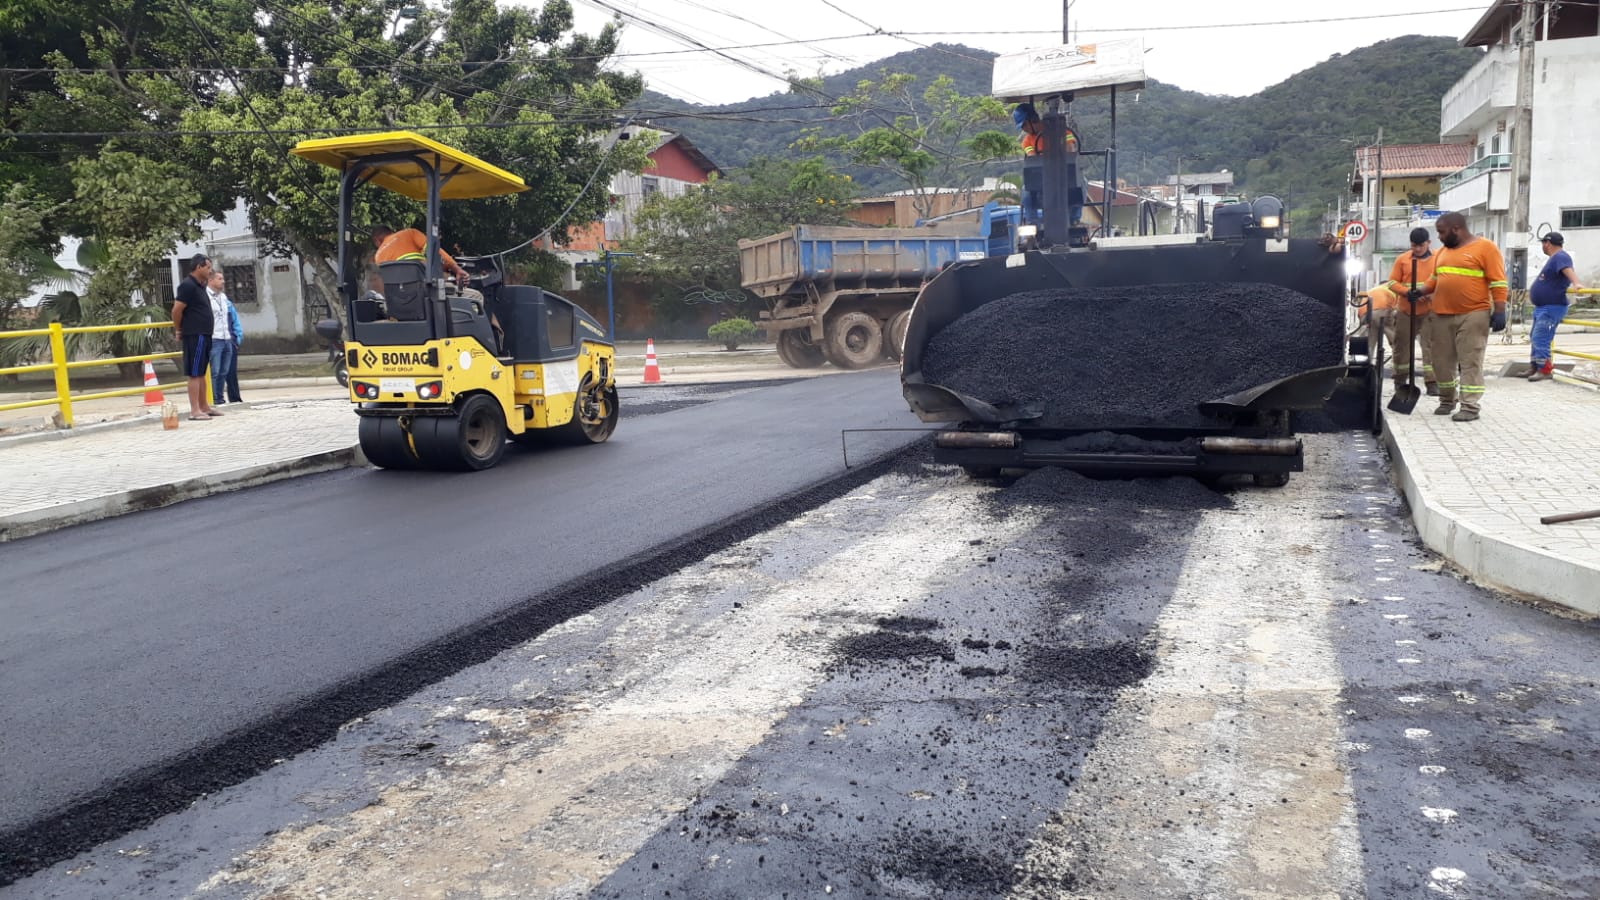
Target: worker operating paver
[(1469, 278)]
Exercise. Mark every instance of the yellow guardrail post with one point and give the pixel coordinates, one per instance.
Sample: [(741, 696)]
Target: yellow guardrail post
[(58, 358)]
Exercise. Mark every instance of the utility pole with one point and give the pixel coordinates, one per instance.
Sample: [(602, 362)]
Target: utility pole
[(1522, 151), (1066, 33), (1375, 224), (1177, 220)]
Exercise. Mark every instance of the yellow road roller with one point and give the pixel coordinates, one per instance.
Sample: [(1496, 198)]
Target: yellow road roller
[(442, 377)]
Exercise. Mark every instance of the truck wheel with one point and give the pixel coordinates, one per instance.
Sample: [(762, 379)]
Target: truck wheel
[(894, 334), (798, 351), (385, 444), (472, 439), (855, 340), (1271, 479)]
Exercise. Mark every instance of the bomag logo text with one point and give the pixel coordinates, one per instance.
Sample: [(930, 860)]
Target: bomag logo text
[(405, 358)]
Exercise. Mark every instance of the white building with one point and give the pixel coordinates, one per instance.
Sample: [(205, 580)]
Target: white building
[(1398, 187), (1480, 108), (269, 292)]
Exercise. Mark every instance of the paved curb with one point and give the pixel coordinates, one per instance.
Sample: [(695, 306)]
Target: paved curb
[(94, 509), (1495, 561)]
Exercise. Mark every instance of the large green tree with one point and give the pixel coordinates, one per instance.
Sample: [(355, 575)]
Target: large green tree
[(24, 263), (931, 140), (224, 88), (689, 244)]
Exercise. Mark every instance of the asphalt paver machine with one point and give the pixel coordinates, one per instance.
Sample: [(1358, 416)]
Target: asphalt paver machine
[(1235, 430), (441, 379)]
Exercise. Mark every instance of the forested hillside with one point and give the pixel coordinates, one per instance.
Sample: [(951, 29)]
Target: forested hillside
[(1294, 139)]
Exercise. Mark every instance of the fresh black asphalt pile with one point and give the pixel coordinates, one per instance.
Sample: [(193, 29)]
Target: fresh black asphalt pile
[(1131, 356)]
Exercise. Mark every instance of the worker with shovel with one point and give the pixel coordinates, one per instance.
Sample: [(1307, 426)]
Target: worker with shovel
[(1412, 316)]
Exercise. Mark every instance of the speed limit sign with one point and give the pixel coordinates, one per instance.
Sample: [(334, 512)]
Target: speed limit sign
[(1355, 231)]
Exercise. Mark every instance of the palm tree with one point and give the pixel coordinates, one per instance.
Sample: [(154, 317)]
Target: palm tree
[(81, 297)]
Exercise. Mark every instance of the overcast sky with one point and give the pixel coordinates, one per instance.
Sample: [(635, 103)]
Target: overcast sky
[(1240, 59)]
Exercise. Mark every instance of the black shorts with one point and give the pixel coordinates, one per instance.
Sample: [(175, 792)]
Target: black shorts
[(196, 354)]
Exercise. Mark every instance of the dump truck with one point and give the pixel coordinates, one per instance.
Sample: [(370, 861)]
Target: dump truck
[(1193, 354), (441, 376), (842, 294)]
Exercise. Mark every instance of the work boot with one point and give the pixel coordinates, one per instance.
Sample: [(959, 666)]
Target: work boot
[(1445, 408), (1432, 389), (1539, 375), (1465, 415)]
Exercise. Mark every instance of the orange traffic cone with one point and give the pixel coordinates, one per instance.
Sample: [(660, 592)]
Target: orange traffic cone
[(652, 369), (152, 393)]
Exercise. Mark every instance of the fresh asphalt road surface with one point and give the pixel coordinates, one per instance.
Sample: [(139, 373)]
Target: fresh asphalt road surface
[(131, 641)]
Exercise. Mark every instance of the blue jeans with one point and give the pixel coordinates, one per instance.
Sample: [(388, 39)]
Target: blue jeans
[(1545, 320), (221, 362)]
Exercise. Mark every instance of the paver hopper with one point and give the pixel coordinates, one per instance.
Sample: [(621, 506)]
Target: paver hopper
[(1247, 431)]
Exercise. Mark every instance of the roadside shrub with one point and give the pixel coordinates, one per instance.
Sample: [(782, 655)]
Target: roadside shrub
[(730, 333)]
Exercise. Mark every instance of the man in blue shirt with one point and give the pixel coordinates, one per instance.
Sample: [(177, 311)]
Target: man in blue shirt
[(1549, 295)]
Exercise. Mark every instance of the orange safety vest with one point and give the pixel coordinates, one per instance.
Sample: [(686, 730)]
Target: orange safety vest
[(1400, 280), (1033, 144), (1469, 278)]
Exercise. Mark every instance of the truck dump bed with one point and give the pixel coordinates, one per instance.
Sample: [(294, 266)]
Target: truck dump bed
[(849, 257)]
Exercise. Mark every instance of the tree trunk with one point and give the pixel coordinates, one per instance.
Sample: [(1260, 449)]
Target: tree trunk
[(323, 277)]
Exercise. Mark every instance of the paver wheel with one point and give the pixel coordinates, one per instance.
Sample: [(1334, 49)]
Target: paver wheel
[(798, 351), (385, 443), (894, 334), (854, 341), (1271, 479), (472, 439)]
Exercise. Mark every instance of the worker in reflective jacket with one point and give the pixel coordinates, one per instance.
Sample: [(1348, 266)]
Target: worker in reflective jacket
[(1028, 121), (1414, 268), (1468, 288)]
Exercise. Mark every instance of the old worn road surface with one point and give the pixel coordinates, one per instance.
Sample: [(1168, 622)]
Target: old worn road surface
[(931, 687), (131, 643), (923, 686)]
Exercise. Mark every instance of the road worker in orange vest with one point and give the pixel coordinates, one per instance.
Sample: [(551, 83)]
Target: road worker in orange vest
[(1414, 268), (1469, 290), (1027, 119)]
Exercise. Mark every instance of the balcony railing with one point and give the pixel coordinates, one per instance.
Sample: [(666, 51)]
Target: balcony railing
[(1494, 162)]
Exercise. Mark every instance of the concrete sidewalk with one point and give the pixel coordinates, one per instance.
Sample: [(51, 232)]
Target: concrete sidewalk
[(1478, 489), (108, 472)]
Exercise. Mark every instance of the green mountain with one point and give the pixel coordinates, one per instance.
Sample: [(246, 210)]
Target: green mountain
[(1295, 139)]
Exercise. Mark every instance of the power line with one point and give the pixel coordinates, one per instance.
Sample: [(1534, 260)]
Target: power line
[(467, 65), (837, 8), (1197, 26), (651, 115)]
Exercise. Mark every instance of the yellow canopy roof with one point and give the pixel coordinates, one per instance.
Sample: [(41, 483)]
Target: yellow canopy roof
[(463, 175)]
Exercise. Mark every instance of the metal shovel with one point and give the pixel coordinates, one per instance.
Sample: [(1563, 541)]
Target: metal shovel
[(1406, 396)]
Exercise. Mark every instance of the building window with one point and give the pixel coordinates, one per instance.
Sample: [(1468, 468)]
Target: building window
[(1582, 217), (649, 186), (161, 277), (240, 284)]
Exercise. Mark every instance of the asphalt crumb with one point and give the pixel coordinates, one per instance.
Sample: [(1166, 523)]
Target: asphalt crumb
[(981, 672), (1108, 666), (881, 645), (954, 869), (906, 624)]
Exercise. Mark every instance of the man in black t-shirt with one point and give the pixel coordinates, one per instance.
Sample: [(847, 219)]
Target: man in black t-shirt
[(191, 315)]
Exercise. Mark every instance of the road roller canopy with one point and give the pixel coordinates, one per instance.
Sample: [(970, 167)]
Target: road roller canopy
[(397, 157)]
